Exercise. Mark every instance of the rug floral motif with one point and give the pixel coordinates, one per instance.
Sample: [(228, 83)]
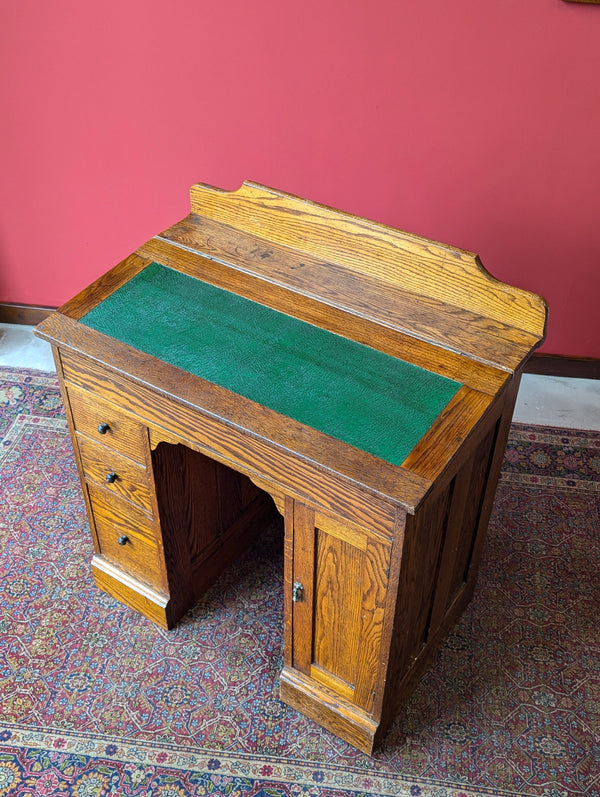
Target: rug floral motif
[(95, 700)]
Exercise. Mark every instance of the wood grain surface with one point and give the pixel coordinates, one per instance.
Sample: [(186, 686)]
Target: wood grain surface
[(379, 559)]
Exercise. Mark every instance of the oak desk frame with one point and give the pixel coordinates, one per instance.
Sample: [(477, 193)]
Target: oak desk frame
[(380, 560)]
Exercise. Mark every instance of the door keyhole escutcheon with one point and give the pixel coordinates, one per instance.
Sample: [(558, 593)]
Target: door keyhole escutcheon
[(297, 592)]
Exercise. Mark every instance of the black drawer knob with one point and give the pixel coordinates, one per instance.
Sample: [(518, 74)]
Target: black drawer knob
[(103, 428), (123, 540), (111, 477)]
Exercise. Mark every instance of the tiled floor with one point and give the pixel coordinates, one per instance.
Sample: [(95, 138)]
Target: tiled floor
[(19, 347), (554, 401), (546, 400)]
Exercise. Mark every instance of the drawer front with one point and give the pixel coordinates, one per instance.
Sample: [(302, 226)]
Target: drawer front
[(105, 423), (126, 537), (118, 474)]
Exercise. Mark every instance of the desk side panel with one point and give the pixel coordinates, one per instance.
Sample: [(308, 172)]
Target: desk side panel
[(442, 548)]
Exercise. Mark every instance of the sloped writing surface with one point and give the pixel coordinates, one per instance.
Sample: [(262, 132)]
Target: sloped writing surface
[(356, 394)]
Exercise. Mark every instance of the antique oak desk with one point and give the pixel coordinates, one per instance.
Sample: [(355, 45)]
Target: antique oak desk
[(270, 352)]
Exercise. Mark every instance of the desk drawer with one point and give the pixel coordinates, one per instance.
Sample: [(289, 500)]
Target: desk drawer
[(105, 423), (116, 473), (126, 536)]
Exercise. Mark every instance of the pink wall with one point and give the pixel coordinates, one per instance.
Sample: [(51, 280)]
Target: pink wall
[(475, 123)]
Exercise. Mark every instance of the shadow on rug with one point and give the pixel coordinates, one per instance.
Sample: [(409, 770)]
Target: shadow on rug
[(95, 700)]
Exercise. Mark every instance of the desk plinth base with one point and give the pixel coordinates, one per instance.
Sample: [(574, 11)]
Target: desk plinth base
[(133, 593), (325, 707)]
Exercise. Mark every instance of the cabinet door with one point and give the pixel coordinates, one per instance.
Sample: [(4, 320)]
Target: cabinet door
[(339, 587)]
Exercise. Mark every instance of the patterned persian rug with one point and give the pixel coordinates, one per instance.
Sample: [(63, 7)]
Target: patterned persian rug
[(94, 700)]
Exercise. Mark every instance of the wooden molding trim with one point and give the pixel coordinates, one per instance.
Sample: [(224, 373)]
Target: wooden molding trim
[(563, 365), (23, 313)]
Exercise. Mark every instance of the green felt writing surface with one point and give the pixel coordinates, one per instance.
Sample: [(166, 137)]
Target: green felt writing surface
[(352, 392)]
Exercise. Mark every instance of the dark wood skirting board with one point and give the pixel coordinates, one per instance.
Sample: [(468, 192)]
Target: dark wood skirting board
[(563, 365), (539, 363), (23, 314)]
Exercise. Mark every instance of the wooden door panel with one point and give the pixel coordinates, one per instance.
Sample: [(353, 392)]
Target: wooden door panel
[(338, 621), (337, 611)]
